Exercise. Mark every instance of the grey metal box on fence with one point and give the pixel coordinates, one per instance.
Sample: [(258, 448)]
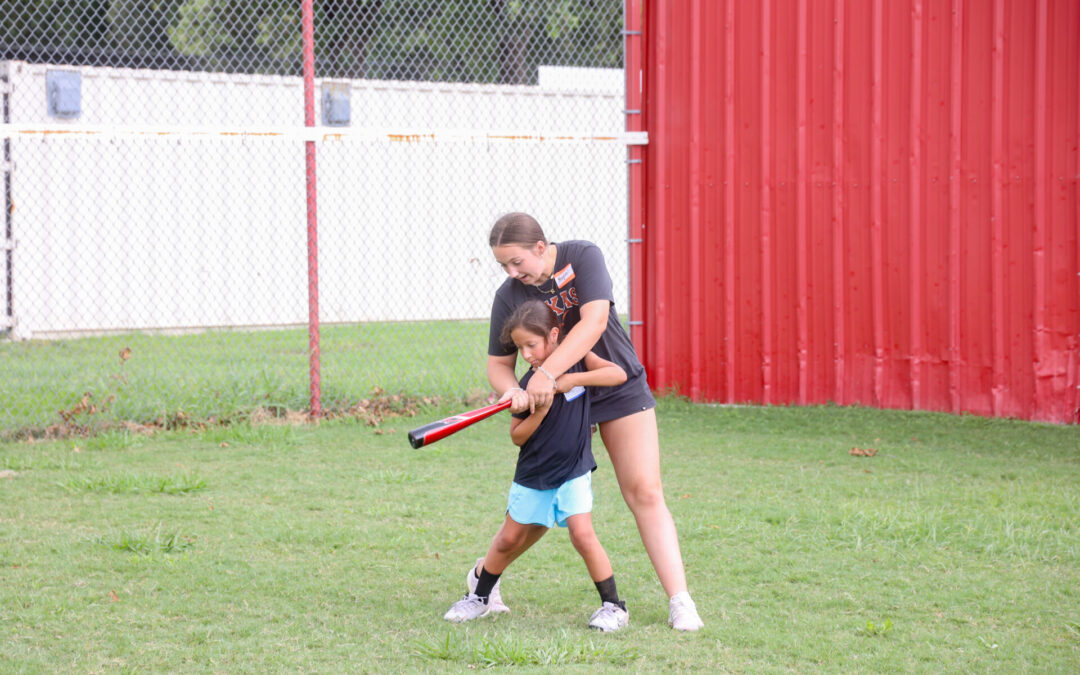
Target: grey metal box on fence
[(336, 108), (64, 93)]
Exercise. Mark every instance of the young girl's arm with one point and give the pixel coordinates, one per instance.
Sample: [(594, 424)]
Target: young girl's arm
[(600, 373), (523, 429)]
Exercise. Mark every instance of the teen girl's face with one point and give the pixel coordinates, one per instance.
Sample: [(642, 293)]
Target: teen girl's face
[(532, 347), (524, 263)]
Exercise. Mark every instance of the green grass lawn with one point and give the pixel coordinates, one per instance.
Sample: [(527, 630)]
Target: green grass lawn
[(337, 548), (95, 383)]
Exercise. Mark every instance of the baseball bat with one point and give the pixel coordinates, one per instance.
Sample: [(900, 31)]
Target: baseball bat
[(429, 433)]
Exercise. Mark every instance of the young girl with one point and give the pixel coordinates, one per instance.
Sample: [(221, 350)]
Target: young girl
[(553, 480)]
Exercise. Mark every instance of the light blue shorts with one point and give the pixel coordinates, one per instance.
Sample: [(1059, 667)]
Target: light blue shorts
[(550, 507)]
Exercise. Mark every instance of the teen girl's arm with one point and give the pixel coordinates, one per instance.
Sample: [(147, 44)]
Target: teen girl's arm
[(574, 346), (500, 372), (599, 373), (522, 430)]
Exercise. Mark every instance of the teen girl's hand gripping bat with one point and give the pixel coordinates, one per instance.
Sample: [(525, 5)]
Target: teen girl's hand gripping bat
[(429, 433)]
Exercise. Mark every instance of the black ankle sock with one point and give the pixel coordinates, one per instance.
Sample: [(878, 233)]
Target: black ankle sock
[(608, 592), (486, 582)]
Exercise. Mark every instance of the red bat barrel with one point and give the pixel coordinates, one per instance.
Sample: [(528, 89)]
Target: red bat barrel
[(429, 433)]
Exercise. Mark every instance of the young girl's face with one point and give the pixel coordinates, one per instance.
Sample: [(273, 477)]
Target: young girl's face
[(532, 347)]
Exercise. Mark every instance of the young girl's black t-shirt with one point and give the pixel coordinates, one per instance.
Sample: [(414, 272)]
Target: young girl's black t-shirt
[(561, 447)]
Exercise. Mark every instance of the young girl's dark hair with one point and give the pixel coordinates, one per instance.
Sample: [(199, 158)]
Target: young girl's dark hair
[(532, 315), (516, 229)]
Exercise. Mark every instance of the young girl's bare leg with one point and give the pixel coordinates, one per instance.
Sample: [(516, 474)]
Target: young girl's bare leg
[(512, 539), (612, 614), (583, 537), (473, 576)]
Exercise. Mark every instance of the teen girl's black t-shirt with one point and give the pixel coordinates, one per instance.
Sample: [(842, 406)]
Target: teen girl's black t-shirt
[(561, 447), (580, 276)]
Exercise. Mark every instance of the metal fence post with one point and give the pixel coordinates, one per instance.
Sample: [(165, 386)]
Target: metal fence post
[(312, 210)]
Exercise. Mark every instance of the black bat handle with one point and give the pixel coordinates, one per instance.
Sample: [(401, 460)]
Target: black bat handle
[(416, 436)]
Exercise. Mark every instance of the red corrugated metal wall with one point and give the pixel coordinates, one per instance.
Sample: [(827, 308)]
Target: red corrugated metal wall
[(861, 201)]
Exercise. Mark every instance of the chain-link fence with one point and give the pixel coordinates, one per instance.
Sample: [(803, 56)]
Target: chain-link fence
[(156, 216)]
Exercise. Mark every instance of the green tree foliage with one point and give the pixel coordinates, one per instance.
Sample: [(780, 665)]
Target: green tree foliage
[(239, 35), (439, 40), (136, 26), (53, 24), (89, 32)]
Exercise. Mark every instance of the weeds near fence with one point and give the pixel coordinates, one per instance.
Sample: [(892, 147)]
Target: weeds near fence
[(79, 419)]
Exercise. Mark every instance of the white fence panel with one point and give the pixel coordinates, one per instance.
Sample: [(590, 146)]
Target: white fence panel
[(176, 230)]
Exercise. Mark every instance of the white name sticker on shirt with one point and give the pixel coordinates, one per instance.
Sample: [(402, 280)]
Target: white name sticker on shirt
[(564, 276), (574, 393)]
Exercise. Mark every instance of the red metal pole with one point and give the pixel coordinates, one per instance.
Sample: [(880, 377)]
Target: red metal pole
[(915, 168), (766, 251), (697, 211), (838, 242), (877, 171), (956, 175), (801, 173), (661, 158), (1074, 383), (997, 209), (1043, 372), (729, 198), (308, 20)]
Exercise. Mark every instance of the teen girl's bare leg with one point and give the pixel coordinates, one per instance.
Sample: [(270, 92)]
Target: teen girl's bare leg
[(633, 443)]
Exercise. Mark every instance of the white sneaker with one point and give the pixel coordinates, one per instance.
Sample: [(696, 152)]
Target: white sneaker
[(466, 609), (682, 613), (495, 603), (609, 617)]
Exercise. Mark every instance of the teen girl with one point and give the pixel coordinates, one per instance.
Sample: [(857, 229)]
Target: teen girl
[(572, 279), (553, 480)]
